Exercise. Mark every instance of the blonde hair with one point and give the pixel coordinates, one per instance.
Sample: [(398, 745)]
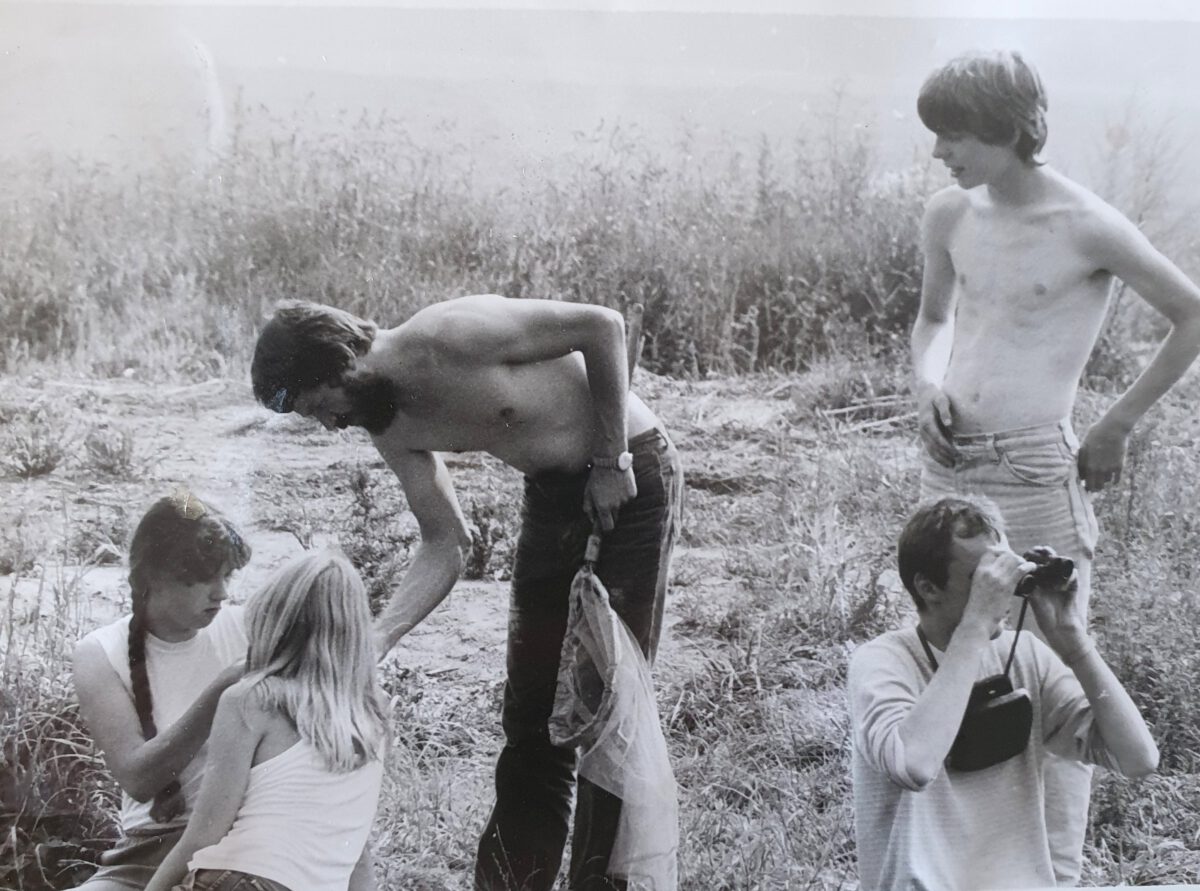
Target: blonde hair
[(311, 656)]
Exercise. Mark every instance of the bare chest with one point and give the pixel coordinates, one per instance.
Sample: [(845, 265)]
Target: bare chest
[(1026, 274), (496, 407)]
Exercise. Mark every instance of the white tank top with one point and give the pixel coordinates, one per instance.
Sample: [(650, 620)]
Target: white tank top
[(299, 823), (179, 672)]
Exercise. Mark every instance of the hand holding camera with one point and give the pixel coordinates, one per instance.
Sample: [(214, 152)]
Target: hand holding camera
[(1050, 589), (998, 573), (1051, 572)]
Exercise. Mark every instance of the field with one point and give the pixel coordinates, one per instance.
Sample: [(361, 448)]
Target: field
[(778, 291)]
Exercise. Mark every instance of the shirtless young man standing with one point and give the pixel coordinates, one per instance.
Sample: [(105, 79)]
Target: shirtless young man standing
[(543, 386), (1019, 265)]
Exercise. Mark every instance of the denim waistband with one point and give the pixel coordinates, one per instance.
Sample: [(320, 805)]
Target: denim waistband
[(646, 437), (647, 442), (1033, 435)]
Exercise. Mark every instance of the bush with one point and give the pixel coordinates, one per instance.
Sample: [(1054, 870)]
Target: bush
[(749, 269)]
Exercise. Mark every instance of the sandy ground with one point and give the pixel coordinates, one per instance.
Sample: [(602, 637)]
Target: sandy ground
[(257, 466)]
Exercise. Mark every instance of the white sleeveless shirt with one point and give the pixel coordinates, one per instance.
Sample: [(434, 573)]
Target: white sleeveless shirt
[(299, 824), (178, 672)]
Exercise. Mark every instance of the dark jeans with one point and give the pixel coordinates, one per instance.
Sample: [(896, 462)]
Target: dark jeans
[(522, 845)]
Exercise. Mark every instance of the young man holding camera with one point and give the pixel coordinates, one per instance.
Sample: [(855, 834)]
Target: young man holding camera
[(947, 797), (1019, 267)]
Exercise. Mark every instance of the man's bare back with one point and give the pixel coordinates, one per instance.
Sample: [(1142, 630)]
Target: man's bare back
[(458, 395), (1030, 300)]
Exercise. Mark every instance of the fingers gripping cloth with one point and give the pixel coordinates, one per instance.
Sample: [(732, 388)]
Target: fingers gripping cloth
[(604, 705)]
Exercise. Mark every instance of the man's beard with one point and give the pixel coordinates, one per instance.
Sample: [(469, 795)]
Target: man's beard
[(373, 403)]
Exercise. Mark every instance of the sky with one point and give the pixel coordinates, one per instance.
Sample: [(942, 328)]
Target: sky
[(1143, 10), (127, 82)]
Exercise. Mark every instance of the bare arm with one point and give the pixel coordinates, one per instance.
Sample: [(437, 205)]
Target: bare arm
[(491, 329), (1118, 246), (238, 727), (141, 767), (933, 331), (440, 555)]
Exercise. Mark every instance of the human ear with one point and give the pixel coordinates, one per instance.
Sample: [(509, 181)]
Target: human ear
[(929, 592)]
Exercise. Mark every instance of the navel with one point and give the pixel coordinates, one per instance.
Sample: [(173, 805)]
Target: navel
[(1039, 289), (962, 279), (507, 414)]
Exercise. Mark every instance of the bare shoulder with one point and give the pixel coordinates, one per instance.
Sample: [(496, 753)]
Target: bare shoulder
[(242, 702), (1096, 224), (943, 212), (455, 325), (88, 654), (93, 674), (449, 313)]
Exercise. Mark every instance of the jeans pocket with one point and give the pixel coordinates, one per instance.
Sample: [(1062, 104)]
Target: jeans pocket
[(1045, 466)]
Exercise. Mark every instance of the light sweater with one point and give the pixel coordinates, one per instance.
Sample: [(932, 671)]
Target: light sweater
[(978, 830), (179, 672), (299, 823)]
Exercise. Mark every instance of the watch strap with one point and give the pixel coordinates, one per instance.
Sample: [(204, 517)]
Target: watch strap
[(622, 462)]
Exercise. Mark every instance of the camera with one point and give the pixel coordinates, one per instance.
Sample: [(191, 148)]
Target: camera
[(995, 727), (1052, 571)]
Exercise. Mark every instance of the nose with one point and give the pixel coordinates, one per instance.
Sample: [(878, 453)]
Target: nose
[(218, 592), (939, 148)]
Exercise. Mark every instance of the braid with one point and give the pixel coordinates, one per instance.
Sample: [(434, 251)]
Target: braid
[(163, 807), (139, 679), (184, 540)]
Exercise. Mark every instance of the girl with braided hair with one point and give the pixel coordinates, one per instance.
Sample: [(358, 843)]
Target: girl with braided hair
[(300, 743), (148, 684)]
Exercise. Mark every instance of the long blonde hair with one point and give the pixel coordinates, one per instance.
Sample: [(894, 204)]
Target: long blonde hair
[(311, 656)]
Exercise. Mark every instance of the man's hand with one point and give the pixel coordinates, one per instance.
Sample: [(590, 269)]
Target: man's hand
[(1102, 455), (934, 418), (607, 489), (992, 587), (1057, 611)]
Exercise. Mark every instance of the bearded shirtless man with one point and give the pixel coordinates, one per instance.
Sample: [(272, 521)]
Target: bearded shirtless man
[(1019, 266), (543, 386)]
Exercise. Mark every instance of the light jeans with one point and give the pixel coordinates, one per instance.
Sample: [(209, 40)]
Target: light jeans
[(1032, 476)]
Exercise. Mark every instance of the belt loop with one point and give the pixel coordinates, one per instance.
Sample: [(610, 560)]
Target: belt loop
[(995, 450)]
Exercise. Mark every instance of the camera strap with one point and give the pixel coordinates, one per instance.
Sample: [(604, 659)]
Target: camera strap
[(1012, 652)]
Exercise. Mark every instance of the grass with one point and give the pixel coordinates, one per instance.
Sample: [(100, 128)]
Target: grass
[(171, 276), (778, 289), (35, 444)]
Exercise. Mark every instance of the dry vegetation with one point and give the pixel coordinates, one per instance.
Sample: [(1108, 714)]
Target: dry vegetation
[(777, 293)]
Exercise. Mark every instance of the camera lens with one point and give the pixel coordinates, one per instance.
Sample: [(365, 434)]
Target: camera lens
[(1053, 572)]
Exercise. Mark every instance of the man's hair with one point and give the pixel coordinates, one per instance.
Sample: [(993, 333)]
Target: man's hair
[(995, 97), (924, 546), (303, 346)]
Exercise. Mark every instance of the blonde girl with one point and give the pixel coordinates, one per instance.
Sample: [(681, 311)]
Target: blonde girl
[(148, 684), (300, 742)]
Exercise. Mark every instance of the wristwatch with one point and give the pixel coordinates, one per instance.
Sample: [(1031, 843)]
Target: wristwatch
[(622, 462)]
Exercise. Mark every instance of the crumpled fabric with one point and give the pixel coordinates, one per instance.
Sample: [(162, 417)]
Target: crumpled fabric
[(604, 705)]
